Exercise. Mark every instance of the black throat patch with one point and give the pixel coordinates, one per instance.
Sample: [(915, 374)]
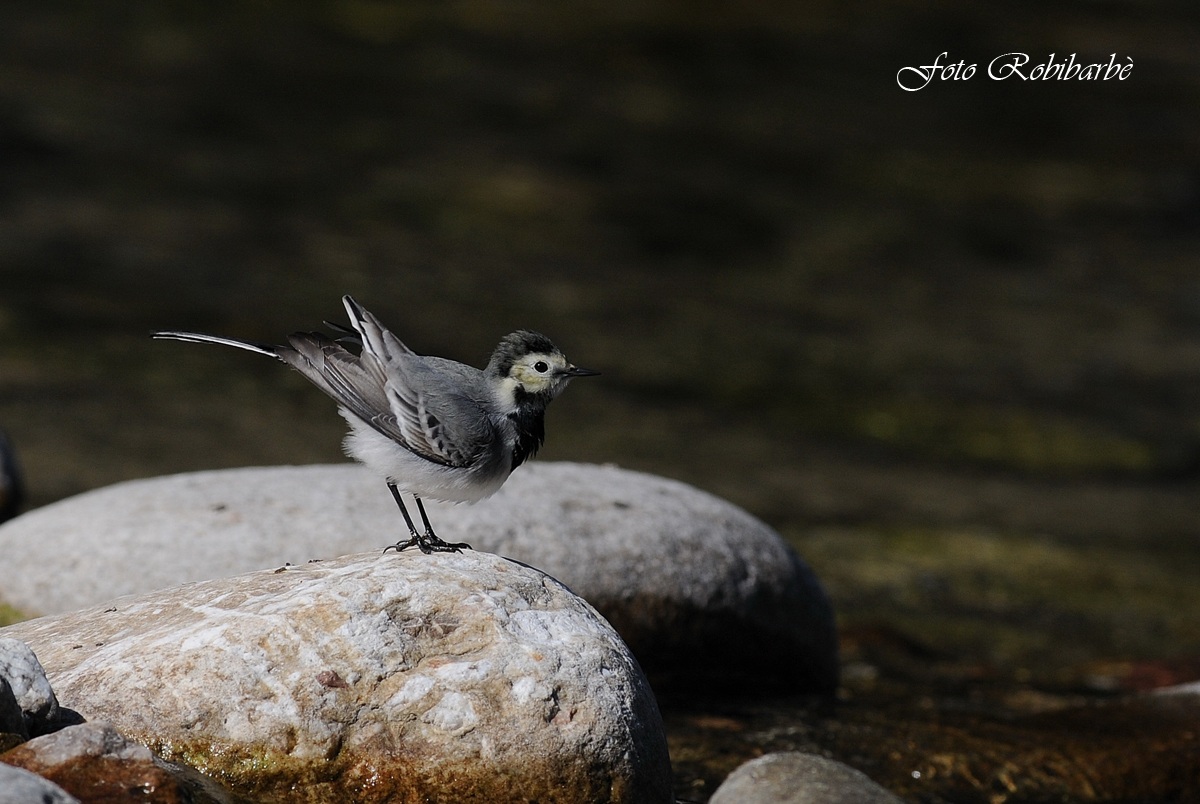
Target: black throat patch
[(529, 419)]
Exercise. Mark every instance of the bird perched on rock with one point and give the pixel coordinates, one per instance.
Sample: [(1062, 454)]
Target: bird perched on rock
[(429, 426)]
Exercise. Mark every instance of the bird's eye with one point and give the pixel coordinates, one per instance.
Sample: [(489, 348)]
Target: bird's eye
[(540, 367)]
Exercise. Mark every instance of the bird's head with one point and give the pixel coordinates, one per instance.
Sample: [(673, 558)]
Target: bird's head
[(530, 365)]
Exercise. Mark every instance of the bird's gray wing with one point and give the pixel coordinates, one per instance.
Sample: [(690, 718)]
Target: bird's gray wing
[(436, 405), (432, 402), (423, 404), (377, 340), (357, 385)]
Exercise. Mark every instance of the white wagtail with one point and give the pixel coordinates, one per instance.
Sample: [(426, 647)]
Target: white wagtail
[(431, 427)]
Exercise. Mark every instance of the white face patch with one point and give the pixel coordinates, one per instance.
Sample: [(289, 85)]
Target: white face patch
[(540, 373)]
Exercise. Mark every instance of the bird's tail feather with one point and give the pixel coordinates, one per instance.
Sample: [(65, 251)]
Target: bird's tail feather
[(345, 334), (199, 337)]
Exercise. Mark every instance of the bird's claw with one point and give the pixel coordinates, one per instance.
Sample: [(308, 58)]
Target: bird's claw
[(428, 543)]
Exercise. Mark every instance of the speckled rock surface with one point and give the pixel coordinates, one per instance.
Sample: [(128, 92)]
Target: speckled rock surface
[(700, 590), (466, 677), (796, 778)]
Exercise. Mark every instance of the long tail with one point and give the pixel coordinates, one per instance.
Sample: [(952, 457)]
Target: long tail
[(198, 337), (357, 386)]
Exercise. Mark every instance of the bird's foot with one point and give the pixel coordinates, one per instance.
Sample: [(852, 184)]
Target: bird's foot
[(427, 543), (432, 543), (400, 547)]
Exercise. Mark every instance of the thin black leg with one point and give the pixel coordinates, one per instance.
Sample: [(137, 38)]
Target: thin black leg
[(433, 540), (427, 542), (414, 538)]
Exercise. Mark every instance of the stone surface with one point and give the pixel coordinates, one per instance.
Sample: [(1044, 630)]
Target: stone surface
[(27, 679), (19, 786), (704, 593), (83, 740), (796, 778), (98, 764), (701, 591), (372, 678)]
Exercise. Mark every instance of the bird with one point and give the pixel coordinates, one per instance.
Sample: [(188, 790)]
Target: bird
[(432, 427)]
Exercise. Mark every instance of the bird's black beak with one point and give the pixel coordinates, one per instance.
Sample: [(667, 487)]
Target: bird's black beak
[(576, 371)]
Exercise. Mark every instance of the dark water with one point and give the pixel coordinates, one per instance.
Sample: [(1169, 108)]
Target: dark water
[(946, 341)]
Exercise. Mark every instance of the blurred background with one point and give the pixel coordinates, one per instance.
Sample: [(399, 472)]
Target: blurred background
[(946, 341)]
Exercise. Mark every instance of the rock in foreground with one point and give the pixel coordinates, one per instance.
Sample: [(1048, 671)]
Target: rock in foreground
[(95, 762), (701, 591), (371, 678)]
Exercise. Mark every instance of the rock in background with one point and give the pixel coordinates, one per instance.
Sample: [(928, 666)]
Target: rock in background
[(702, 592), (792, 777)]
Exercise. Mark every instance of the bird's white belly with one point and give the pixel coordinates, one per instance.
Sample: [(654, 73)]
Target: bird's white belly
[(414, 474)]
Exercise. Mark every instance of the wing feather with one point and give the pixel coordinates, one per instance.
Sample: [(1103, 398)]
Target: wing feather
[(441, 425), (419, 408), (356, 385)]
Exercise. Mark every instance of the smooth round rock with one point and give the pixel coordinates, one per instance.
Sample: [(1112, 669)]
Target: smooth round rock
[(703, 592), (453, 677), (796, 778)]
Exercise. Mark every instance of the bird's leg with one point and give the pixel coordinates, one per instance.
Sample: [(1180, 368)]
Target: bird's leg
[(427, 542), (413, 539), (431, 540)]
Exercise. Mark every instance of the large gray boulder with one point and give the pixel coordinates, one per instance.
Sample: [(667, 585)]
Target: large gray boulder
[(450, 677), (702, 592)]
